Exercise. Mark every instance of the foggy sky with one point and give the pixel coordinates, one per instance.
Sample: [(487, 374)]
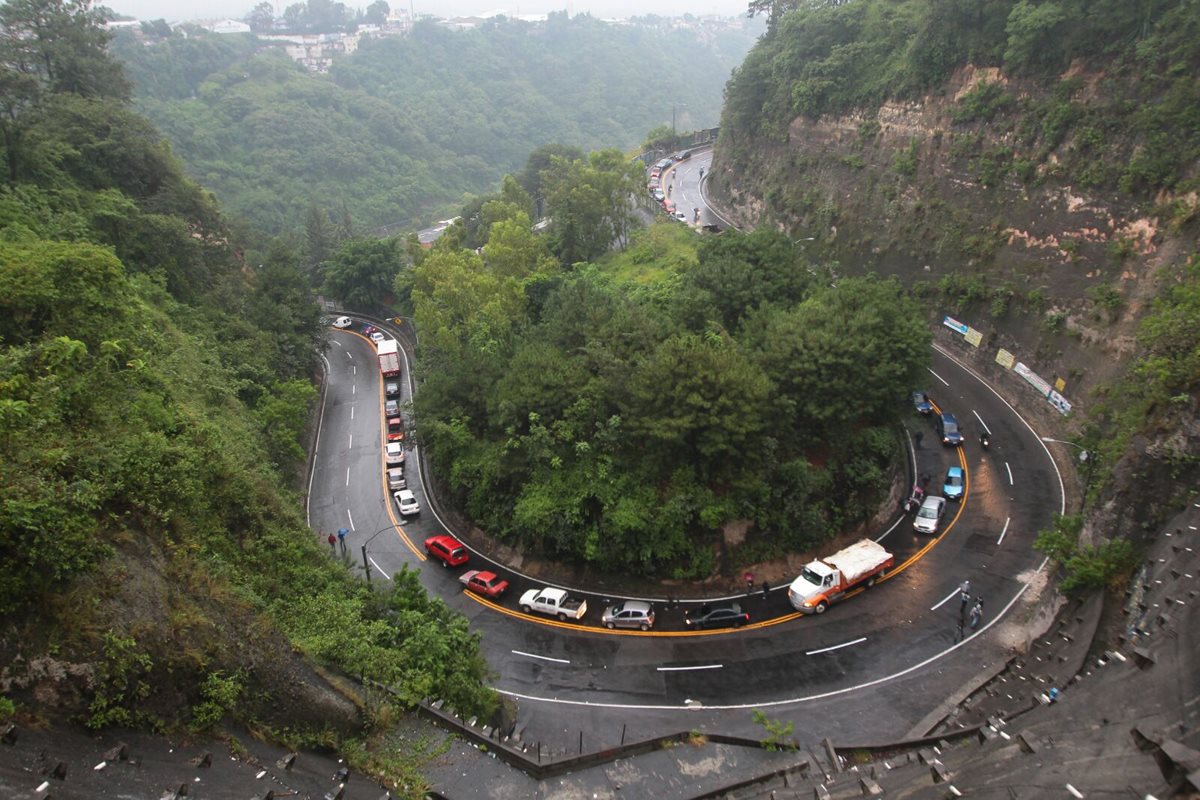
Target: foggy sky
[(179, 10)]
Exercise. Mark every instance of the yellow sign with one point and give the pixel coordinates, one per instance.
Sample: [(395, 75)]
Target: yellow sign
[(1005, 358), (973, 337), (397, 320), (1060, 384)]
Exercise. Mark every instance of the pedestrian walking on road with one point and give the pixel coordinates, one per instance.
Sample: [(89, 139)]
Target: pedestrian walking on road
[(766, 587), (341, 534), (925, 481), (976, 613), (332, 543), (964, 596), (749, 582), (958, 631)]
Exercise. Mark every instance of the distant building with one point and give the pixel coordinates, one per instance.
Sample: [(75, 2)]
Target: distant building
[(228, 26)]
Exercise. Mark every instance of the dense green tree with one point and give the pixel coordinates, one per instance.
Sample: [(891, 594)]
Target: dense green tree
[(590, 203), (361, 271), (698, 401), (50, 47), (844, 354), (62, 43), (261, 18), (376, 13), (739, 274)]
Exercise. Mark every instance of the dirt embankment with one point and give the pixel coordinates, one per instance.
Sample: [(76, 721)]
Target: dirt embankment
[(979, 216), (144, 618)]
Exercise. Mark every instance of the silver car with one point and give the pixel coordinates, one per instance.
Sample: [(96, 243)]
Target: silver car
[(629, 614), (929, 515)]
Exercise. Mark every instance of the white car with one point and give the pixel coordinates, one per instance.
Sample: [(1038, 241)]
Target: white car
[(407, 503), (929, 515), (378, 337), (394, 454), (343, 322), (682, 217)]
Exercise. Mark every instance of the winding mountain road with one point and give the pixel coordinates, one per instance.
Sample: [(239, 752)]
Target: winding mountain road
[(869, 669)]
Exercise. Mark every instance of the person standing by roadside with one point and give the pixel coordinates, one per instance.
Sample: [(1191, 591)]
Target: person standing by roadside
[(341, 534), (332, 543)]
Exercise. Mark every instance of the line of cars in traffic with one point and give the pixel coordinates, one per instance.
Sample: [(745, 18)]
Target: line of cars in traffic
[(654, 185), (560, 604), (450, 552), (394, 455), (932, 508)]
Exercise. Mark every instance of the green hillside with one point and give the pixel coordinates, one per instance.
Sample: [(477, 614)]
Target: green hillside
[(155, 393), (405, 128)]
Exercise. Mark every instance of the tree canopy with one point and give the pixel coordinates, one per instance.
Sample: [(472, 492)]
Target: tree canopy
[(619, 408)]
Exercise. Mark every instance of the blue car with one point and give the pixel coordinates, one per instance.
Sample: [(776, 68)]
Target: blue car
[(952, 489), (921, 403)]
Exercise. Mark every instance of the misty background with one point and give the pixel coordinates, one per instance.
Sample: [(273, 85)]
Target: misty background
[(179, 10)]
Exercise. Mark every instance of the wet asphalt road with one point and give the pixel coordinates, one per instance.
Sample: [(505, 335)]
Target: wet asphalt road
[(879, 660)]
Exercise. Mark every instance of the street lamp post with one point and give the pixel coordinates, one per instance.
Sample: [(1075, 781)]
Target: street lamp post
[(1087, 458), (366, 563)]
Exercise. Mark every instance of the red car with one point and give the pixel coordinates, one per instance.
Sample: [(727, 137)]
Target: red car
[(484, 583), (447, 549), (395, 429)]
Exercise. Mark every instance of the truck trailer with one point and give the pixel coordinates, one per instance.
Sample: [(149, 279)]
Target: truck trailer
[(827, 580), (389, 358)]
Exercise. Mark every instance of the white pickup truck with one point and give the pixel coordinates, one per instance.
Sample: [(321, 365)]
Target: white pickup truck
[(553, 603)]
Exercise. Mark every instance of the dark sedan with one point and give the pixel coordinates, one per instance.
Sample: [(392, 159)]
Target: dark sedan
[(730, 616)]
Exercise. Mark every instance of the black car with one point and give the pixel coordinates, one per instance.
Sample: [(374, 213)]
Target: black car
[(391, 389), (730, 616)]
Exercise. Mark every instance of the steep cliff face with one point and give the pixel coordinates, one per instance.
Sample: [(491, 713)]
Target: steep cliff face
[(983, 196)]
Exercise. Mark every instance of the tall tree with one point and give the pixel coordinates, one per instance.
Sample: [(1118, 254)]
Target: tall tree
[(377, 13), (49, 47), (63, 43), (361, 272), (262, 18), (319, 237)]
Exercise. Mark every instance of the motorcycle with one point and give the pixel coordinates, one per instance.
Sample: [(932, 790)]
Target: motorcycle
[(985, 440), (914, 500)]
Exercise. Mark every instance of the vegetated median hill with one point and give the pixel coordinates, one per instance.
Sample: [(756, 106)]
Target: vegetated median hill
[(406, 127), (1027, 167), (683, 407), (155, 570)]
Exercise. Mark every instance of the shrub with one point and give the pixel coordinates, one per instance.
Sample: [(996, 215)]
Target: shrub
[(1106, 297), (904, 162), (983, 103)]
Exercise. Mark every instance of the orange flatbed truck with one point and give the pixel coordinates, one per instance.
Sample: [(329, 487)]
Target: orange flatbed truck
[(827, 580)]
